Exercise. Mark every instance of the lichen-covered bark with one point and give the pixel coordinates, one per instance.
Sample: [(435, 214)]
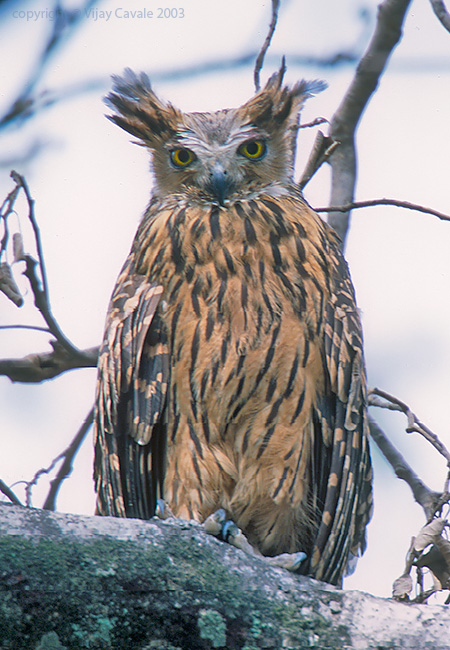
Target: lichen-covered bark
[(74, 582)]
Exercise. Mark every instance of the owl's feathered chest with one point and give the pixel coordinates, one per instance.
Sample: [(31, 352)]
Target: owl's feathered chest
[(246, 261), (243, 286)]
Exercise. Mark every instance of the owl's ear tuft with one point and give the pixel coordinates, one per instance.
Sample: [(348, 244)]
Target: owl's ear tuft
[(139, 111), (277, 106)]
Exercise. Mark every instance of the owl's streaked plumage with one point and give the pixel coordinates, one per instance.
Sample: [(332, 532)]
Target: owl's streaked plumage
[(231, 373)]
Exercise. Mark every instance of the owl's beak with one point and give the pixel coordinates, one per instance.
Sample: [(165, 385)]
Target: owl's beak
[(220, 183)]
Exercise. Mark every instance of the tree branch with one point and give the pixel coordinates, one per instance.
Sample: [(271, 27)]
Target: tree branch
[(391, 14), (441, 13), (262, 53), (64, 23), (9, 493), (395, 202), (414, 424), (423, 495), (35, 368), (39, 287), (66, 468)]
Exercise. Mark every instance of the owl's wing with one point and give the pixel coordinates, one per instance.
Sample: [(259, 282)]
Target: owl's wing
[(132, 383), (347, 479)]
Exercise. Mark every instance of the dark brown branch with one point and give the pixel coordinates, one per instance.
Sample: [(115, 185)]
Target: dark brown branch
[(260, 58), (441, 13), (36, 368), (391, 14), (414, 424), (9, 493), (424, 496), (66, 468), (395, 202)]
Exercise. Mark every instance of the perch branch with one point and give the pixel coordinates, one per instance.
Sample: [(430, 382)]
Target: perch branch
[(262, 53), (395, 202), (441, 13), (388, 30)]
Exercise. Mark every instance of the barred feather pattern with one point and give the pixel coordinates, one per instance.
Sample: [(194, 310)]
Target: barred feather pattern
[(232, 376)]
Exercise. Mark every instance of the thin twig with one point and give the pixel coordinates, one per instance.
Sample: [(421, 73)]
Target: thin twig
[(20, 326), (6, 209), (68, 455), (65, 22), (388, 31), (66, 468), (9, 493), (315, 122), (262, 53), (40, 287), (441, 13), (21, 182), (423, 495), (395, 202), (414, 424)]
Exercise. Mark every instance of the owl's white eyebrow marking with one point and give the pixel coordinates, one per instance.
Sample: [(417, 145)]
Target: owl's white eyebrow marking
[(225, 139)]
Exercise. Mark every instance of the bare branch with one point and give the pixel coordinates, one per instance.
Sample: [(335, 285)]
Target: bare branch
[(320, 153), (423, 495), (35, 368), (260, 58), (20, 326), (442, 13), (68, 456), (395, 202), (65, 22), (21, 182), (414, 424), (9, 493), (66, 468), (38, 287), (391, 14)]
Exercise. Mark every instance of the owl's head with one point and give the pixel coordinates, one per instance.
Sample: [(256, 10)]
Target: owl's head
[(219, 156)]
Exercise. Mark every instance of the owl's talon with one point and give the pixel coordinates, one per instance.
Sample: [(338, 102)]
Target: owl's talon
[(288, 561), (162, 510), (214, 524), (220, 526), (230, 531)]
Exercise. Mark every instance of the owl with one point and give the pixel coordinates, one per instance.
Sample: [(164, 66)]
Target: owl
[(231, 376)]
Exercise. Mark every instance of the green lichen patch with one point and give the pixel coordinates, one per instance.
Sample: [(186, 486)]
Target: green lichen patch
[(109, 594), (213, 627)]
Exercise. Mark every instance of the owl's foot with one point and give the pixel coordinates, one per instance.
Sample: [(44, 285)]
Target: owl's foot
[(162, 510), (220, 526)]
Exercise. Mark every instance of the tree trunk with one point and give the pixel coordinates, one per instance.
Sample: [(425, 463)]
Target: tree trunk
[(71, 582)]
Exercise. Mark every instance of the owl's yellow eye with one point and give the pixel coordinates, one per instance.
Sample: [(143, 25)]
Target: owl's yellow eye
[(253, 149), (182, 157)]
